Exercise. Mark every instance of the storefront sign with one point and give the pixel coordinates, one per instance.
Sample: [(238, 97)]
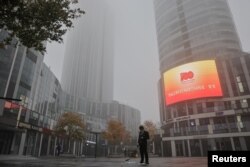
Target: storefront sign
[(24, 125), (36, 128), (28, 126)]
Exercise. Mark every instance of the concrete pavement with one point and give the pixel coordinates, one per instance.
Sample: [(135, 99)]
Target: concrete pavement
[(26, 161), (16, 158)]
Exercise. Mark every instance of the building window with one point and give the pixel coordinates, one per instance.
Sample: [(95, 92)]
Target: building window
[(192, 122), (204, 121), (183, 124), (168, 113), (219, 120), (175, 113), (227, 105), (232, 77), (244, 103), (248, 101), (199, 107), (238, 104), (247, 59), (240, 85), (210, 106), (190, 109), (181, 109), (231, 119), (241, 81)]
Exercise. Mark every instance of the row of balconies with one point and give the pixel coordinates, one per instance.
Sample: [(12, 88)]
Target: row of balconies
[(208, 129)]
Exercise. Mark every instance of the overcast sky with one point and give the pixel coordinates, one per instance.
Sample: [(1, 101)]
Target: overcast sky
[(136, 66)]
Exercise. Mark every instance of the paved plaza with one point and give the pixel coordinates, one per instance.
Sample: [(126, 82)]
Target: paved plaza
[(23, 161)]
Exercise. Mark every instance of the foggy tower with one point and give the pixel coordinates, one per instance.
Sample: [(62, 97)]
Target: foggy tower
[(193, 29), (204, 88), (88, 61)]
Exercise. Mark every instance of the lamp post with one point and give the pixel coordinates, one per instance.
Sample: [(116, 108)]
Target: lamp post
[(121, 143), (161, 134), (96, 132), (95, 143), (86, 149)]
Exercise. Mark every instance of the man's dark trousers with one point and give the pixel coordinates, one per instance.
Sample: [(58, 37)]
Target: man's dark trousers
[(144, 152)]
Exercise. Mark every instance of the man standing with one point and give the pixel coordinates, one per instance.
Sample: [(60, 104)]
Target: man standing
[(58, 149), (142, 142)]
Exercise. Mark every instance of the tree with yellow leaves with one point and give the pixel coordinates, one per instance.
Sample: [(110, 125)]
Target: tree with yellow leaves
[(71, 125), (151, 128), (116, 133)]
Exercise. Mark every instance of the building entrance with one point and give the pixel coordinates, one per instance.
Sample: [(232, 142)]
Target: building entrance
[(223, 144), (6, 138), (179, 148)]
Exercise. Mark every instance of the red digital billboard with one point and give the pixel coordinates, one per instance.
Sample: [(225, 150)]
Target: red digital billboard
[(192, 80)]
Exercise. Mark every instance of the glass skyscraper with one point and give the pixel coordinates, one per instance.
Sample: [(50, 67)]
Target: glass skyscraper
[(87, 77), (194, 29), (88, 62), (204, 85)]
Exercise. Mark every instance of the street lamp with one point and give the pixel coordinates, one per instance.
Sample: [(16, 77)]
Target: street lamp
[(86, 149), (96, 132), (121, 144), (161, 135)]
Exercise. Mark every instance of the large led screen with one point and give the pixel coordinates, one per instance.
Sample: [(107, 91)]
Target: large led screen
[(190, 81)]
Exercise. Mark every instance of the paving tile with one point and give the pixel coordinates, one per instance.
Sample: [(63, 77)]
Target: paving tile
[(102, 162)]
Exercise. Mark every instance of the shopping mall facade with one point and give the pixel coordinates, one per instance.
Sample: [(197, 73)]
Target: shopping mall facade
[(204, 89), (24, 75)]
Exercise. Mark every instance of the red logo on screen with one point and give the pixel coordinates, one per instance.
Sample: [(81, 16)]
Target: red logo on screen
[(186, 76)]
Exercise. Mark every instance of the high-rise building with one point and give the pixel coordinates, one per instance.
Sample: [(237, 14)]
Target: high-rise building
[(87, 77), (88, 62), (194, 29), (204, 85)]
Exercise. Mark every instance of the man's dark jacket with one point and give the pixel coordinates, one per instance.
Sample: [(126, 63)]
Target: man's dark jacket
[(143, 137)]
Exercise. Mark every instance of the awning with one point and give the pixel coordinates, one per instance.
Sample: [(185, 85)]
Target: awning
[(10, 128)]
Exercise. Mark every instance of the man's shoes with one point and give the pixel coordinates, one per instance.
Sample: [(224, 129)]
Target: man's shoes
[(144, 164), (147, 163), (141, 163)]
